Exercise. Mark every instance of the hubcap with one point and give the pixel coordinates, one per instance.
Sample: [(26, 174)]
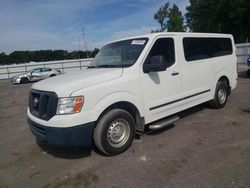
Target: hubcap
[(222, 96), (118, 133)]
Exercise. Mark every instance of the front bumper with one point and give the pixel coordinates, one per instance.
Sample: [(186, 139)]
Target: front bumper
[(15, 80), (78, 136)]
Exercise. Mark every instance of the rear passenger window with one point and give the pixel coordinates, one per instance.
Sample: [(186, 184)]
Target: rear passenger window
[(165, 47), (202, 48)]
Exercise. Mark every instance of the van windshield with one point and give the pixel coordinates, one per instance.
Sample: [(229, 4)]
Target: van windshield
[(119, 54)]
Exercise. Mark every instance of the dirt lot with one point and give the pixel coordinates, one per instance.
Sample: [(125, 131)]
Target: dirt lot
[(205, 148)]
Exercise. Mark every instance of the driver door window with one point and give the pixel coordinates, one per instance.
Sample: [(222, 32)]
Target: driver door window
[(165, 47), (36, 71)]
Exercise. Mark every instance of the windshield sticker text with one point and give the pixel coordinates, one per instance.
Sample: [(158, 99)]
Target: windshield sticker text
[(138, 42)]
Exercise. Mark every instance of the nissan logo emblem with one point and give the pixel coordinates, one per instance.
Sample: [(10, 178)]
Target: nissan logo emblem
[(35, 102)]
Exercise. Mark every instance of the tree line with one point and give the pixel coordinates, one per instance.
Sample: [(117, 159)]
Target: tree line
[(18, 57), (210, 16)]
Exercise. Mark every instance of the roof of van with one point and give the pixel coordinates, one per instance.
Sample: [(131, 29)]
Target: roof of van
[(187, 34)]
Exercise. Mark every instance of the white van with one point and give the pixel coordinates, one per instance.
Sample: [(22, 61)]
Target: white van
[(133, 84)]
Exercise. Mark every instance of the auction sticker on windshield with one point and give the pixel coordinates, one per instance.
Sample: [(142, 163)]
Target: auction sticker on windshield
[(138, 42)]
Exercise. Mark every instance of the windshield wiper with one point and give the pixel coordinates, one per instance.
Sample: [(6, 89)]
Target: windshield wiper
[(109, 66), (106, 66), (90, 67)]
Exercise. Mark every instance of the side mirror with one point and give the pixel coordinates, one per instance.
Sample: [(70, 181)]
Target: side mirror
[(156, 64)]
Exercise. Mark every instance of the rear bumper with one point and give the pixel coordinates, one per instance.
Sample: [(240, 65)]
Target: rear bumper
[(78, 136)]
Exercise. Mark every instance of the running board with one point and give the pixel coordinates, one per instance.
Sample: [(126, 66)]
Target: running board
[(164, 123)]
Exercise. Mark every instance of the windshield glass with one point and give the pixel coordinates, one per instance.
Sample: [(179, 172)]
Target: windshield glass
[(35, 70), (119, 54)]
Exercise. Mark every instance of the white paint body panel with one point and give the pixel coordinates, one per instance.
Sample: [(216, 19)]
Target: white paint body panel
[(103, 87)]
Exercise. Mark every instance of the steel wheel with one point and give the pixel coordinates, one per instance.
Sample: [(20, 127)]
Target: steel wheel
[(118, 133), (114, 132), (222, 95)]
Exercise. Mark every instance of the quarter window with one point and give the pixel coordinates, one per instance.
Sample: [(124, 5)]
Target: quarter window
[(202, 48)]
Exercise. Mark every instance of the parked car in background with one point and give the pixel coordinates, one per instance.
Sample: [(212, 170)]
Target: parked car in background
[(34, 75)]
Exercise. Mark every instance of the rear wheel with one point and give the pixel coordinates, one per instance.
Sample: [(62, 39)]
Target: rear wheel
[(114, 132), (52, 75), (220, 96)]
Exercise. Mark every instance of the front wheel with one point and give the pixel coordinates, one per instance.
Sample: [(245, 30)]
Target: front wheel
[(114, 132), (220, 96), (24, 80)]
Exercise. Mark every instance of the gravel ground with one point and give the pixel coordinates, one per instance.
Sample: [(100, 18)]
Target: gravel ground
[(205, 148)]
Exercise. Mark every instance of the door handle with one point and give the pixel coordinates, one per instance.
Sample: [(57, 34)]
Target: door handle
[(175, 73)]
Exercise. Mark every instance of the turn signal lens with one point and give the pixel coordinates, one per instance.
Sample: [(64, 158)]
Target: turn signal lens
[(78, 104)]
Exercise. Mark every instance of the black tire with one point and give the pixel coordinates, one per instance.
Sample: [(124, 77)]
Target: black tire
[(24, 80), (248, 73), (107, 137), (220, 96), (52, 75)]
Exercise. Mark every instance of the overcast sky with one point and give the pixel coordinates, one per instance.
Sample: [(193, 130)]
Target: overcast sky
[(57, 24)]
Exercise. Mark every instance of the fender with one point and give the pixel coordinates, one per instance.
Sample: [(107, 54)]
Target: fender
[(222, 73), (119, 96), (218, 76)]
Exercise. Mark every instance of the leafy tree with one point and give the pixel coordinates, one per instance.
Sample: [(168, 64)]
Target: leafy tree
[(161, 15), (94, 52), (222, 16), (170, 19), (17, 57), (3, 58), (175, 21)]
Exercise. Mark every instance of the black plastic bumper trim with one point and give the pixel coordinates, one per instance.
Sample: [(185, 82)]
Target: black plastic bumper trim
[(78, 136)]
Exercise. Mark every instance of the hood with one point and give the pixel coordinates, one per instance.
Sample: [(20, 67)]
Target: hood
[(19, 75), (64, 85)]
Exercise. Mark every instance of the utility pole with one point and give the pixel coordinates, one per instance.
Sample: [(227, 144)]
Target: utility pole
[(79, 47), (85, 42)]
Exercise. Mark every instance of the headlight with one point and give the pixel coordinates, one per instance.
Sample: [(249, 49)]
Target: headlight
[(70, 105)]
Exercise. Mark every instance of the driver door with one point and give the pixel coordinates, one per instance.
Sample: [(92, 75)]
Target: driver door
[(36, 74), (162, 90), (46, 73)]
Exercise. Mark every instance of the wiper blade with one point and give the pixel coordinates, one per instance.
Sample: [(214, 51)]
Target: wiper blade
[(110, 66), (105, 66), (90, 67)]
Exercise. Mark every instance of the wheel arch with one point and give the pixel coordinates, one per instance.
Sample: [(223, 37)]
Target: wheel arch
[(225, 79), (130, 108)]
